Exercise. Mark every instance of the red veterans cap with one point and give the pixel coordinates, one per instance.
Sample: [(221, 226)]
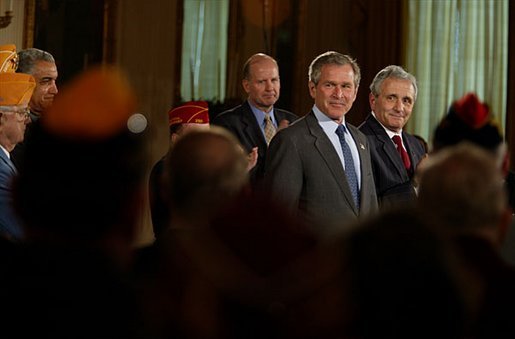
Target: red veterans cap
[(192, 112)]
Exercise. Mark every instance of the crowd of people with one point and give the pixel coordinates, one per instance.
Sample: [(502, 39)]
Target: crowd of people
[(268, 224)]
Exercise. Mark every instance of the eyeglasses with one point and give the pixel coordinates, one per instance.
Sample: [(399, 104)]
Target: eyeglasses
[(21, 114)]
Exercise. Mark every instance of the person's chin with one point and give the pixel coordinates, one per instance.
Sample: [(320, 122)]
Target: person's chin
[(335, 114), (269, 102)]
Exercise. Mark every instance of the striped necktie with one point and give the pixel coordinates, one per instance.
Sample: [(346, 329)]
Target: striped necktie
[(269, 128)]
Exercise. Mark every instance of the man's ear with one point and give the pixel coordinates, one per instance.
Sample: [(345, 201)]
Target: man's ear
[(245, 83), (356, 92), (372, 100), (174, 137), (312, 89)]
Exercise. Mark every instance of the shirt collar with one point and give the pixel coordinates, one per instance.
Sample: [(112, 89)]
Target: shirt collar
[(5, 151), (260, 115), (390, 133), (326, 122)]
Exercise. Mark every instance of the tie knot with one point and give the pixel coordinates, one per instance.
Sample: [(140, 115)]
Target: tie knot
[(341, 130), (269, 128), (397, 140)]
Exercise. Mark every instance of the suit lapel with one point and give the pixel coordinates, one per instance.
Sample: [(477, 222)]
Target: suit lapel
[(5, 159), (328, 153), (252, 129), (387, 146), (414, 156)]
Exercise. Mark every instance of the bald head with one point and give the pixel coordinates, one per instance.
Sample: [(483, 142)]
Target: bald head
[(261, 81), (463, 188), (204, 169)]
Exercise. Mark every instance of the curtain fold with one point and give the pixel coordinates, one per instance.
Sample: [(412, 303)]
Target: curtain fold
[(454, 47), (204, 50)]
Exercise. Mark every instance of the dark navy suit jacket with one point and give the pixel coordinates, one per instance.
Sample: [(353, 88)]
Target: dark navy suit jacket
[(9, 224), (393, 181), (242, 123)]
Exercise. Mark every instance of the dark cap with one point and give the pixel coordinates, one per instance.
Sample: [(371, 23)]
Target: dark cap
[(468, 119)]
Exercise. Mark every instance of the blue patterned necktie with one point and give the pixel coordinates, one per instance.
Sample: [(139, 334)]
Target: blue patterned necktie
[(350, 171)]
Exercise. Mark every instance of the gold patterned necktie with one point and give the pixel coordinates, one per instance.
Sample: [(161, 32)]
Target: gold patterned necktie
[(269, 128)]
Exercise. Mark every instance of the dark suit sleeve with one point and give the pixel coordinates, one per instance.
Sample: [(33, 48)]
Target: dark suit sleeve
[(283, 174), (9, 225)]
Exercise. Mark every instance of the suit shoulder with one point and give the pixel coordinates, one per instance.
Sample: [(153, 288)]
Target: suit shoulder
[(366, 126), (414, 142), (284, 114), (355, 130), (227, 115), (297, 128)]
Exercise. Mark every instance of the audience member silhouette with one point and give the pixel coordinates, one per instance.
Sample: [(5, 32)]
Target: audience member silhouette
[(219, 253), (79, 195), (401, 281), (470, 120), (192, 115), (462, 195)]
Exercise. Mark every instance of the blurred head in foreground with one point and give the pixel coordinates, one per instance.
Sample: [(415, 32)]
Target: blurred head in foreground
[(84, 165)]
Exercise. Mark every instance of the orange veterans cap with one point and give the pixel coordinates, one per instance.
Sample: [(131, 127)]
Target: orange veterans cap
[(192, 112), (8, 58), (95, 105), (16, 88)]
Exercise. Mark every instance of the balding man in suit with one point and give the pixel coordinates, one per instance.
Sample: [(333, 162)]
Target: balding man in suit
[(320, 166), (255, 121)]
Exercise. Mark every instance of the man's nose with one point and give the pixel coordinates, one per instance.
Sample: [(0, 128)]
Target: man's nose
[(399, 106), (53, 89), (338, 92)]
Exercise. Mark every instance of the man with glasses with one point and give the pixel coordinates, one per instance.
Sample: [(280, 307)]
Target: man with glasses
[(15, 92)]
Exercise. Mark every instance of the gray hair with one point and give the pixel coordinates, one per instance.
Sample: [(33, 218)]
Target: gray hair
[(332, 58), (395, 72), (27, 58)]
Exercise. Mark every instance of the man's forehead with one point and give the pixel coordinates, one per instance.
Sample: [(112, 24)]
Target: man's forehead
[(45, 69), (396, 84), (263, 65)]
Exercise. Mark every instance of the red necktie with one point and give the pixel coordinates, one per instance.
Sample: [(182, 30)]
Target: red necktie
[(404, 155)]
